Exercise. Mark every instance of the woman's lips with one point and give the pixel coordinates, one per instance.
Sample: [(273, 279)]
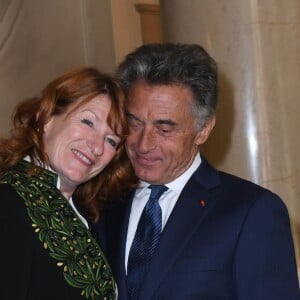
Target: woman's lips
[(82, 157)]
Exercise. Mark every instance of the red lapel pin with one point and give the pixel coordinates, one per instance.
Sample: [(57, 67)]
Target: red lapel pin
[(202, 203)]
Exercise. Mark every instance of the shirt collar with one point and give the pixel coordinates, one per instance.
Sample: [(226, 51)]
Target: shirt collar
[(27, 158), (178, 183)]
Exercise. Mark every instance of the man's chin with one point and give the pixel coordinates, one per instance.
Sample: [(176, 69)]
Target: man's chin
[(147, 175)]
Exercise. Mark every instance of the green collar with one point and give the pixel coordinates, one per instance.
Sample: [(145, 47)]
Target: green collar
[(68, 241)]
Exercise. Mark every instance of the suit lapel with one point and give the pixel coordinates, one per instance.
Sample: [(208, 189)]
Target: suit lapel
[(118, 223), (194, 203)]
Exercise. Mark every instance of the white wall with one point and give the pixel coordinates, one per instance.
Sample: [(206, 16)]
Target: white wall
[(40, 39)]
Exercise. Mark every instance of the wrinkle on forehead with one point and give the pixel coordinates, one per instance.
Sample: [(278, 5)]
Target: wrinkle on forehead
[(159, 103)]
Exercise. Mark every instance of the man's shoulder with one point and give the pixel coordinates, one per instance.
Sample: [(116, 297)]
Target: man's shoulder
[(245, 190), (235, 180)]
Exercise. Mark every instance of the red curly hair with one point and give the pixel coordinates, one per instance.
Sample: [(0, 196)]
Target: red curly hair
[(75, 88)]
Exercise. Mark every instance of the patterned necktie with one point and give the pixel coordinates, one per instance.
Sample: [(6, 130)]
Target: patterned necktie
[(145, 241)]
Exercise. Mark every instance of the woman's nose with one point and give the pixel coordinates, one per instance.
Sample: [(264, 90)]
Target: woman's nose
[(96, 145)]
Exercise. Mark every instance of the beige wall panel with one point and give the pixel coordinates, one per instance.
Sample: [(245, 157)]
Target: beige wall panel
[(127, 31), (39, 39), (126, 27), (257, 46), (150, 23)]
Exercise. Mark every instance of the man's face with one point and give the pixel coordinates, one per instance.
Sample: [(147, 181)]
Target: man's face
[(163, 140)]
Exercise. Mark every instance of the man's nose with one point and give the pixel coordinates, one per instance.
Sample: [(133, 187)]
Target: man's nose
[(147, 139)]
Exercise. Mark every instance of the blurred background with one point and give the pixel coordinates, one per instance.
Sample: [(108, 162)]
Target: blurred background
[(255, 43)]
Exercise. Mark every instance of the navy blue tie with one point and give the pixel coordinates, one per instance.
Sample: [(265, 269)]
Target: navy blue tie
[(145, 241)]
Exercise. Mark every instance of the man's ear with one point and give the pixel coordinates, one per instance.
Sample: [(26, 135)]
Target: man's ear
[(205, 131)]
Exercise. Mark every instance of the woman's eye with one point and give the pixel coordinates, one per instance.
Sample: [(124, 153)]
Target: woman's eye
[(87, 122), (112, 142)]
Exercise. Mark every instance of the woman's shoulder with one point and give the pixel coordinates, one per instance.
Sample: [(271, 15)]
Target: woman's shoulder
[(8, 194), (11, 204)]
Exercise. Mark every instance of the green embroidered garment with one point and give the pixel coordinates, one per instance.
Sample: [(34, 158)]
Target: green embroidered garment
[(63, 235)]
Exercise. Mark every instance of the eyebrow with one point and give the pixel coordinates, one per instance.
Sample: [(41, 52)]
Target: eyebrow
[(165, 122), (128, 114)]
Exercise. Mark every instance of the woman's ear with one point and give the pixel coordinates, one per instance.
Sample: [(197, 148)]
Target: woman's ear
[(205, 131), (37, 119), (37, 116)]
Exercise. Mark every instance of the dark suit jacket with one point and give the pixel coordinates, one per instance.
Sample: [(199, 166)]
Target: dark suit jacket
[(226, 239), (27, 272)]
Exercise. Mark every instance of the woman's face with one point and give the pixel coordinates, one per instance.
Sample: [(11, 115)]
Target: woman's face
[(80, 144)]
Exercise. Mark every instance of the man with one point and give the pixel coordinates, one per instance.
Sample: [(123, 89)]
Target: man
[(222, 237)]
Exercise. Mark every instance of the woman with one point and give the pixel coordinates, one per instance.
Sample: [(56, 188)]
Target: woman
[(66, 144)]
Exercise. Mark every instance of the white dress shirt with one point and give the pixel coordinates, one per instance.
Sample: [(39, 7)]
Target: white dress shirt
[(167, 202)]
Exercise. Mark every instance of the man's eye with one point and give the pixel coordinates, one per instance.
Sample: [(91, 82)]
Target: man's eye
[(134, 124), (165, 130), (87, 122)]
